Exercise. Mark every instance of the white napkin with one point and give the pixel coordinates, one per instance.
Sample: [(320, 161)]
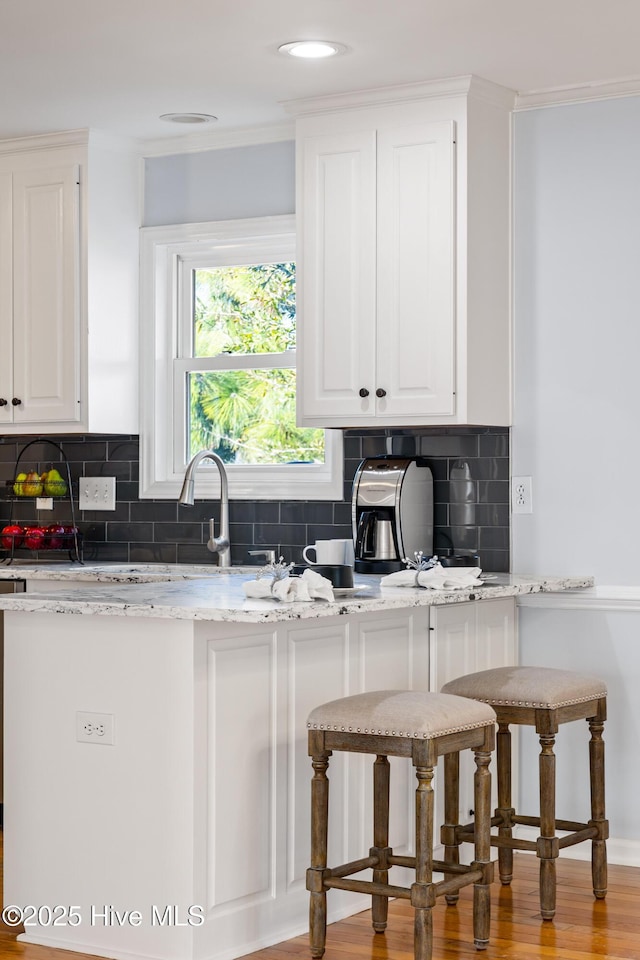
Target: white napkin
[(310, 586), (436, 578)]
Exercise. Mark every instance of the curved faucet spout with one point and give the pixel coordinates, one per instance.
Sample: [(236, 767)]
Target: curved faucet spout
[(220, 545)]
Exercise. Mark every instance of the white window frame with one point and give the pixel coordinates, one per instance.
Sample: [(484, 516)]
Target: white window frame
[(166, 253)]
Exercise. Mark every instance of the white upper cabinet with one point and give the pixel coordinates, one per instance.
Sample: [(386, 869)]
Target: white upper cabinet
[(46, 375), (68, 285), (403, 260)]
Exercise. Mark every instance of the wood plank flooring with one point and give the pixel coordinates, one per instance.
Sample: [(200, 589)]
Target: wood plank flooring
[(583, 929)]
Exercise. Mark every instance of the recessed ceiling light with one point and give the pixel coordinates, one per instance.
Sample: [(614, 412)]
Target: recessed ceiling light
[(188, 117), (312, 49)]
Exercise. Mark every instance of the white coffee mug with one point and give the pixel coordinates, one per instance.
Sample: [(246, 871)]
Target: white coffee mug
[(326, 551), (348, 553)]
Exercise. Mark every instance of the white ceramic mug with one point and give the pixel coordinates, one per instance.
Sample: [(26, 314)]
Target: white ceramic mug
[(326, 551), (348, 553)]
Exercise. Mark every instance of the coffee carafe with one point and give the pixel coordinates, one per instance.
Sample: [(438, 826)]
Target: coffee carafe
[(392, 513)]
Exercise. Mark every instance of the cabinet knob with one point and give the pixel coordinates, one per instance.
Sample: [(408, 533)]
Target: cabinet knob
[(3, 402), (380, 392), (16, 402), (363, 392)]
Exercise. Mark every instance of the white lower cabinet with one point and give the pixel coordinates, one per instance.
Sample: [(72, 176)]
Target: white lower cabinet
[(262, 685), (204, 797), (263, 682), (466, 637)]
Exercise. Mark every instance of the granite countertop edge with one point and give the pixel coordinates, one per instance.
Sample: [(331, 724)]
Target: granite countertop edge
[(217, 597)]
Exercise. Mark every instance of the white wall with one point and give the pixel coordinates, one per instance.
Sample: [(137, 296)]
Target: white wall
[(227, 184), (577, 339), (604, 643), (577, 425)]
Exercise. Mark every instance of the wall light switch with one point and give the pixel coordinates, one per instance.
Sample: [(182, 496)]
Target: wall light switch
[(97, 493)]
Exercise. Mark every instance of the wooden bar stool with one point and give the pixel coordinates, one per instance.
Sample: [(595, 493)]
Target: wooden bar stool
[(422, 727), (542, 698)]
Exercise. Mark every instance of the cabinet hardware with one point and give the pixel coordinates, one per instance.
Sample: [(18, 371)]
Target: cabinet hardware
[(16, 402), (3, 402), (363, 392), (380, 392)]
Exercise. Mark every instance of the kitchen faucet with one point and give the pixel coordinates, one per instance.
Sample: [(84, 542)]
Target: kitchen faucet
[(221, 544)]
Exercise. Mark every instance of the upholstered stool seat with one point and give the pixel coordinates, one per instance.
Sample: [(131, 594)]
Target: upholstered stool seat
[(542, 698), (421, 727)]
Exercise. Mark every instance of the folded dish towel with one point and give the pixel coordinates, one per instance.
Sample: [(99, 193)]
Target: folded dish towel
[(310, 586), (436, 578)]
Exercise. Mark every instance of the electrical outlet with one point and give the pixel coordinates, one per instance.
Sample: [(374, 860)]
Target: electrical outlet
[(95, 728), (521, 495), (97, 493)]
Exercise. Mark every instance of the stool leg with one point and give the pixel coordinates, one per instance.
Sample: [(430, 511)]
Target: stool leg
[(482, 840), (319, 832), (504, 810), (422, 896), (599, 846), (380, 903), (547, 843), (451, 814)]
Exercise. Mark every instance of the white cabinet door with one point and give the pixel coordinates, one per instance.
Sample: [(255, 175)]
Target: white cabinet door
[(439, 322), (496, 634), (336, 279), (466, 637), (376, 281), (69, 239), (415, 302), (6, 299), (46, 295)]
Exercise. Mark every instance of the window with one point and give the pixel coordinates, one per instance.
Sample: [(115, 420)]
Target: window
[(218, 364)]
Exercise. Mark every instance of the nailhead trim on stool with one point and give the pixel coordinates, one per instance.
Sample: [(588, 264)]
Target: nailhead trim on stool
[(422, 727), (399, 713), (541, 687), (544, 698)]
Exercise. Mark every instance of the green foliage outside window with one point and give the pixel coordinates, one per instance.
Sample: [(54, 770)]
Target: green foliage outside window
[(247, 415)]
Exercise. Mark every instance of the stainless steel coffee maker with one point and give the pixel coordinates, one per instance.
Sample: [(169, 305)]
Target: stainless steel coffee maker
[(392, 513)]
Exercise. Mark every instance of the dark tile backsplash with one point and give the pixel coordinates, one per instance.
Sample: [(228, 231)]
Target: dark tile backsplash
[(470, 467)]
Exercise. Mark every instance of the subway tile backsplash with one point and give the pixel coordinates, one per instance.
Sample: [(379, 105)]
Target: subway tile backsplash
[(470, 467)]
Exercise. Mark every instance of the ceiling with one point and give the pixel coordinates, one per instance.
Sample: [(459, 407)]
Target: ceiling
[(116, 65)]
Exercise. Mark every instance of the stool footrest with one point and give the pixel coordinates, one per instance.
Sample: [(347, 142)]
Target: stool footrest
[(466, 876), (445, 887), (578, 833), (572, 825), (463, 831), (346, 869), (368, 887), (589, 833)]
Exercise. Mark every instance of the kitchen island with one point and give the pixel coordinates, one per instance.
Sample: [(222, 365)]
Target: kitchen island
[(187, 836)]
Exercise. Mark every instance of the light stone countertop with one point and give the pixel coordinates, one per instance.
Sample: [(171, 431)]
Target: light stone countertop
[(188, 593), (110, 571)]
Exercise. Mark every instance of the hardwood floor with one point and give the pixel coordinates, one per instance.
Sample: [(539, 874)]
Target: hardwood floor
[(583, 929)]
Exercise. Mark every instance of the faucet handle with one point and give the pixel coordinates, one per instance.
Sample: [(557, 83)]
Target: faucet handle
[(269, 555), (219, 545)]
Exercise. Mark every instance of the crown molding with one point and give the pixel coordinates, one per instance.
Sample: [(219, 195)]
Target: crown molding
[(45, 141), (217, 140), (465, 86), (578, 93)]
